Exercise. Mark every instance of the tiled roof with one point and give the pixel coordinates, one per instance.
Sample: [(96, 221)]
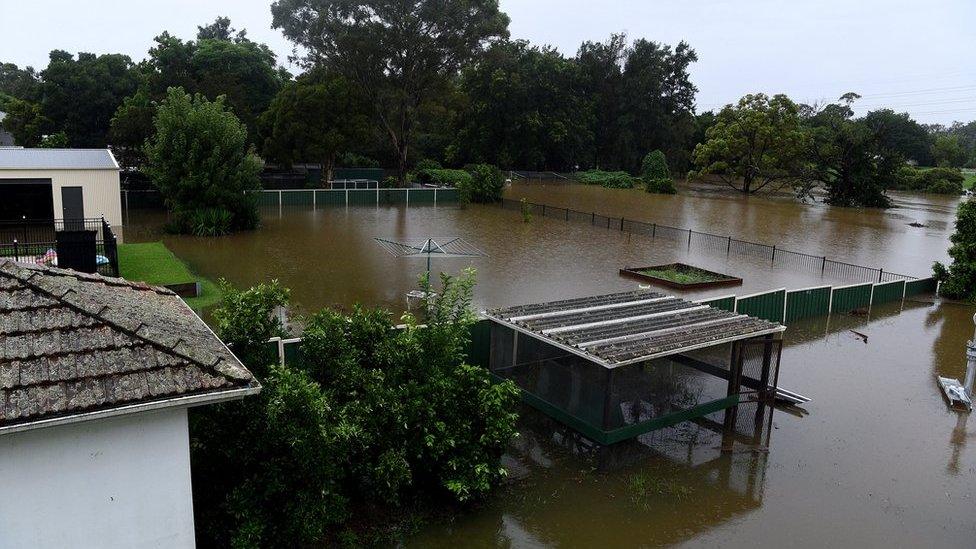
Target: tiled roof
[(74, 343), (624, 328), (16, 158)]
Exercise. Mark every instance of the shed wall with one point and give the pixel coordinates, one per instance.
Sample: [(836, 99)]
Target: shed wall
[(100, 188), (117, 482)]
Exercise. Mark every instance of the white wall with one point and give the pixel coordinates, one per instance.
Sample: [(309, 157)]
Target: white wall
[(100, 190), (117, 482)]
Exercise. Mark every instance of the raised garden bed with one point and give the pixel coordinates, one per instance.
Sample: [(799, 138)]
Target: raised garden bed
[(679, 275)]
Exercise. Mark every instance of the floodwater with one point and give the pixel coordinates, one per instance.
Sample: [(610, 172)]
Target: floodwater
[(875, 459)]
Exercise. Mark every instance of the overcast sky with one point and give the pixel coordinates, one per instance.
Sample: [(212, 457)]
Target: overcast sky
[(915, 56)]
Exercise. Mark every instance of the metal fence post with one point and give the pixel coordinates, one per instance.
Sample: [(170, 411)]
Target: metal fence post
[(773, 258), (689, 239), (823, 266), (16, 251), (728, 247), (654, 230), (621, 223), (880, 274), (592, 218)]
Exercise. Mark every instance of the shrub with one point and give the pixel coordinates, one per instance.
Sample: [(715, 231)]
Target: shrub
[(487, 183), (372, 420), (444, 178), (656, 175), (959, 279), (613, 180), (428, 164), (935, 180), (526, 210), (199, 159)]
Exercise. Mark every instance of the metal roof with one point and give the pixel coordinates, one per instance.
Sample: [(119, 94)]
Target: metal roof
[(628, 327), (57, 159)]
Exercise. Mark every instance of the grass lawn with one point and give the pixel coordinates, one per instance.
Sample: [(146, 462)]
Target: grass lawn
[(153, 263), (683, 276), (970, 180)]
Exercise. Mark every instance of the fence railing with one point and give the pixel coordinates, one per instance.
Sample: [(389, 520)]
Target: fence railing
[(357, 197), (87, 245), (716, 243), (786, 306)]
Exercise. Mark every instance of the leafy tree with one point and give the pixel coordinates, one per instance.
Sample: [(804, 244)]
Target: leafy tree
[(310, 121), (26, 122), (947, 152), (400, 53), (657, 103), (610, 180), (899, 133), (131, 126), (200, 161), (55, 141), (656, 175), (759, 142), (935, 180), (600, 65), (218, 63), (525, 108), (370, 420), (80, 95), (959, 279), (20, 83)]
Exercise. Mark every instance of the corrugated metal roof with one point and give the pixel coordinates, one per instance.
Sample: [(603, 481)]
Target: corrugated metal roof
[(57, 159), (628, 327)]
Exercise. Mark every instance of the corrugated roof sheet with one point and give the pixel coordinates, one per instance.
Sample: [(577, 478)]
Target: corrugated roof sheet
[(73, 343), (628, 327), (57, 159)]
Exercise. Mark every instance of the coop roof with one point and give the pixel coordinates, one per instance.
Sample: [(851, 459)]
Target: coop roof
[(628, 327), (77, 346)]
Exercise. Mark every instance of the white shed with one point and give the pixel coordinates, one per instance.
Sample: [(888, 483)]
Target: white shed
[(44, 184), (96, 375)]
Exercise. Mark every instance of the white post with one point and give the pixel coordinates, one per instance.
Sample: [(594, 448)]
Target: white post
[(970, 364)]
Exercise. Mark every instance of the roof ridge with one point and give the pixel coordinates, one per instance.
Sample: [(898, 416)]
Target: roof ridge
[(131, 332), (88, 277)]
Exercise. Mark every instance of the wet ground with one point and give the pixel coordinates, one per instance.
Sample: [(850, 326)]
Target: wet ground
[(875, 459)]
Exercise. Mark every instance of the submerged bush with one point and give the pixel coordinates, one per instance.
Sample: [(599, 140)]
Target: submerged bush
[(934, 180), (959, 279), (372, 420), (612, 180), (656, 175), (487, 183), (201, 222), (444, 177)]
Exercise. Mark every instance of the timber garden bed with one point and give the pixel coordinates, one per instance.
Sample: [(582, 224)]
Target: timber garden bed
[(680, 275)]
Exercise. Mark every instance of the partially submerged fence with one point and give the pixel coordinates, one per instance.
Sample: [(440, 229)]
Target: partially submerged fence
[(357, 197), (86, 245), (787, 306), (717, 243)]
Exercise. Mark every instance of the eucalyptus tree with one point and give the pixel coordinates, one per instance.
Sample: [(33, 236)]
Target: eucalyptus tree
[(399, 52)]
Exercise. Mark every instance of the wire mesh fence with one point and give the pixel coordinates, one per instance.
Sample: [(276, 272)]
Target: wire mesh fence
[(714, 243)]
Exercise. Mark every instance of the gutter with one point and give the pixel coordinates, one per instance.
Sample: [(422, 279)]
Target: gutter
[(188, 401)]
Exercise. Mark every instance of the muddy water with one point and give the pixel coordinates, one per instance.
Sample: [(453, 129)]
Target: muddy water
[(876, 459)]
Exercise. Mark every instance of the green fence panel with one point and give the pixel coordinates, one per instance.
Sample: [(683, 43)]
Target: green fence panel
[(421, 196), (374, 174), (920, 286), (479, 348), (267, 198), (888, 292), (361, 197), (293, 353), (768, 306), (296, 198), (848, 298), (725, 303), (330, 198), (447, 196), (393, 196), (807, 303)]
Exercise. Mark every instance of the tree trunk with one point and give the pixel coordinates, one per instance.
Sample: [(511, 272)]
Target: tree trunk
[(402, 165), (747, 183), (328, 167)]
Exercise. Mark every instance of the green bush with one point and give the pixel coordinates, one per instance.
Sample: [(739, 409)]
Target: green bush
[(487, 183), (428, 164), (201, 222), (959, 279), (934, 180), (444, 177), (656, 175), (371, 421), (613, 180)]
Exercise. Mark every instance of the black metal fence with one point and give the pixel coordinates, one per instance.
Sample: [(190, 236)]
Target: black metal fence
[(716, 243), (87, 245)]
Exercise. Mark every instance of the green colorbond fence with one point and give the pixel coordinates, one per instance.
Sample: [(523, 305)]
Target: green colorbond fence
[(888, 292), (726, 303), (923, 286), (847, 298), (479, 348), (373, 174), (807, 302), (768, 306), (355, 197)]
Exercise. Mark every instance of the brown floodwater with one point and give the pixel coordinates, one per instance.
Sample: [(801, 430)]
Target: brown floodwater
[(875, 458)]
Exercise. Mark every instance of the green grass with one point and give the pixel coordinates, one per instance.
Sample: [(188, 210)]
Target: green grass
[(154, 263), (970, 180), (683, 276)]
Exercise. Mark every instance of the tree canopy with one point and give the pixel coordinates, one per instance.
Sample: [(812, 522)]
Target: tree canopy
[(366, 42), (959, 278)]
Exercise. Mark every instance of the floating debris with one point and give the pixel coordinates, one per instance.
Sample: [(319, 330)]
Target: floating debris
[(863, 337), (917, 224)]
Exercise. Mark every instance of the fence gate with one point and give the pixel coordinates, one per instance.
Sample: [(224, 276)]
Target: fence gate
[(754, 376)]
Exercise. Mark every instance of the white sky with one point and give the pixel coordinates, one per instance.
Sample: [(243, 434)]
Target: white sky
[(915, 56)]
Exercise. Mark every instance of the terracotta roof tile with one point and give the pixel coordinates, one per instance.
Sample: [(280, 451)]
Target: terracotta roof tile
[(72, 343)]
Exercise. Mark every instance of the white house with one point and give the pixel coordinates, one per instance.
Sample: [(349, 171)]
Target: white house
[(96, 375), (43, 184)]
